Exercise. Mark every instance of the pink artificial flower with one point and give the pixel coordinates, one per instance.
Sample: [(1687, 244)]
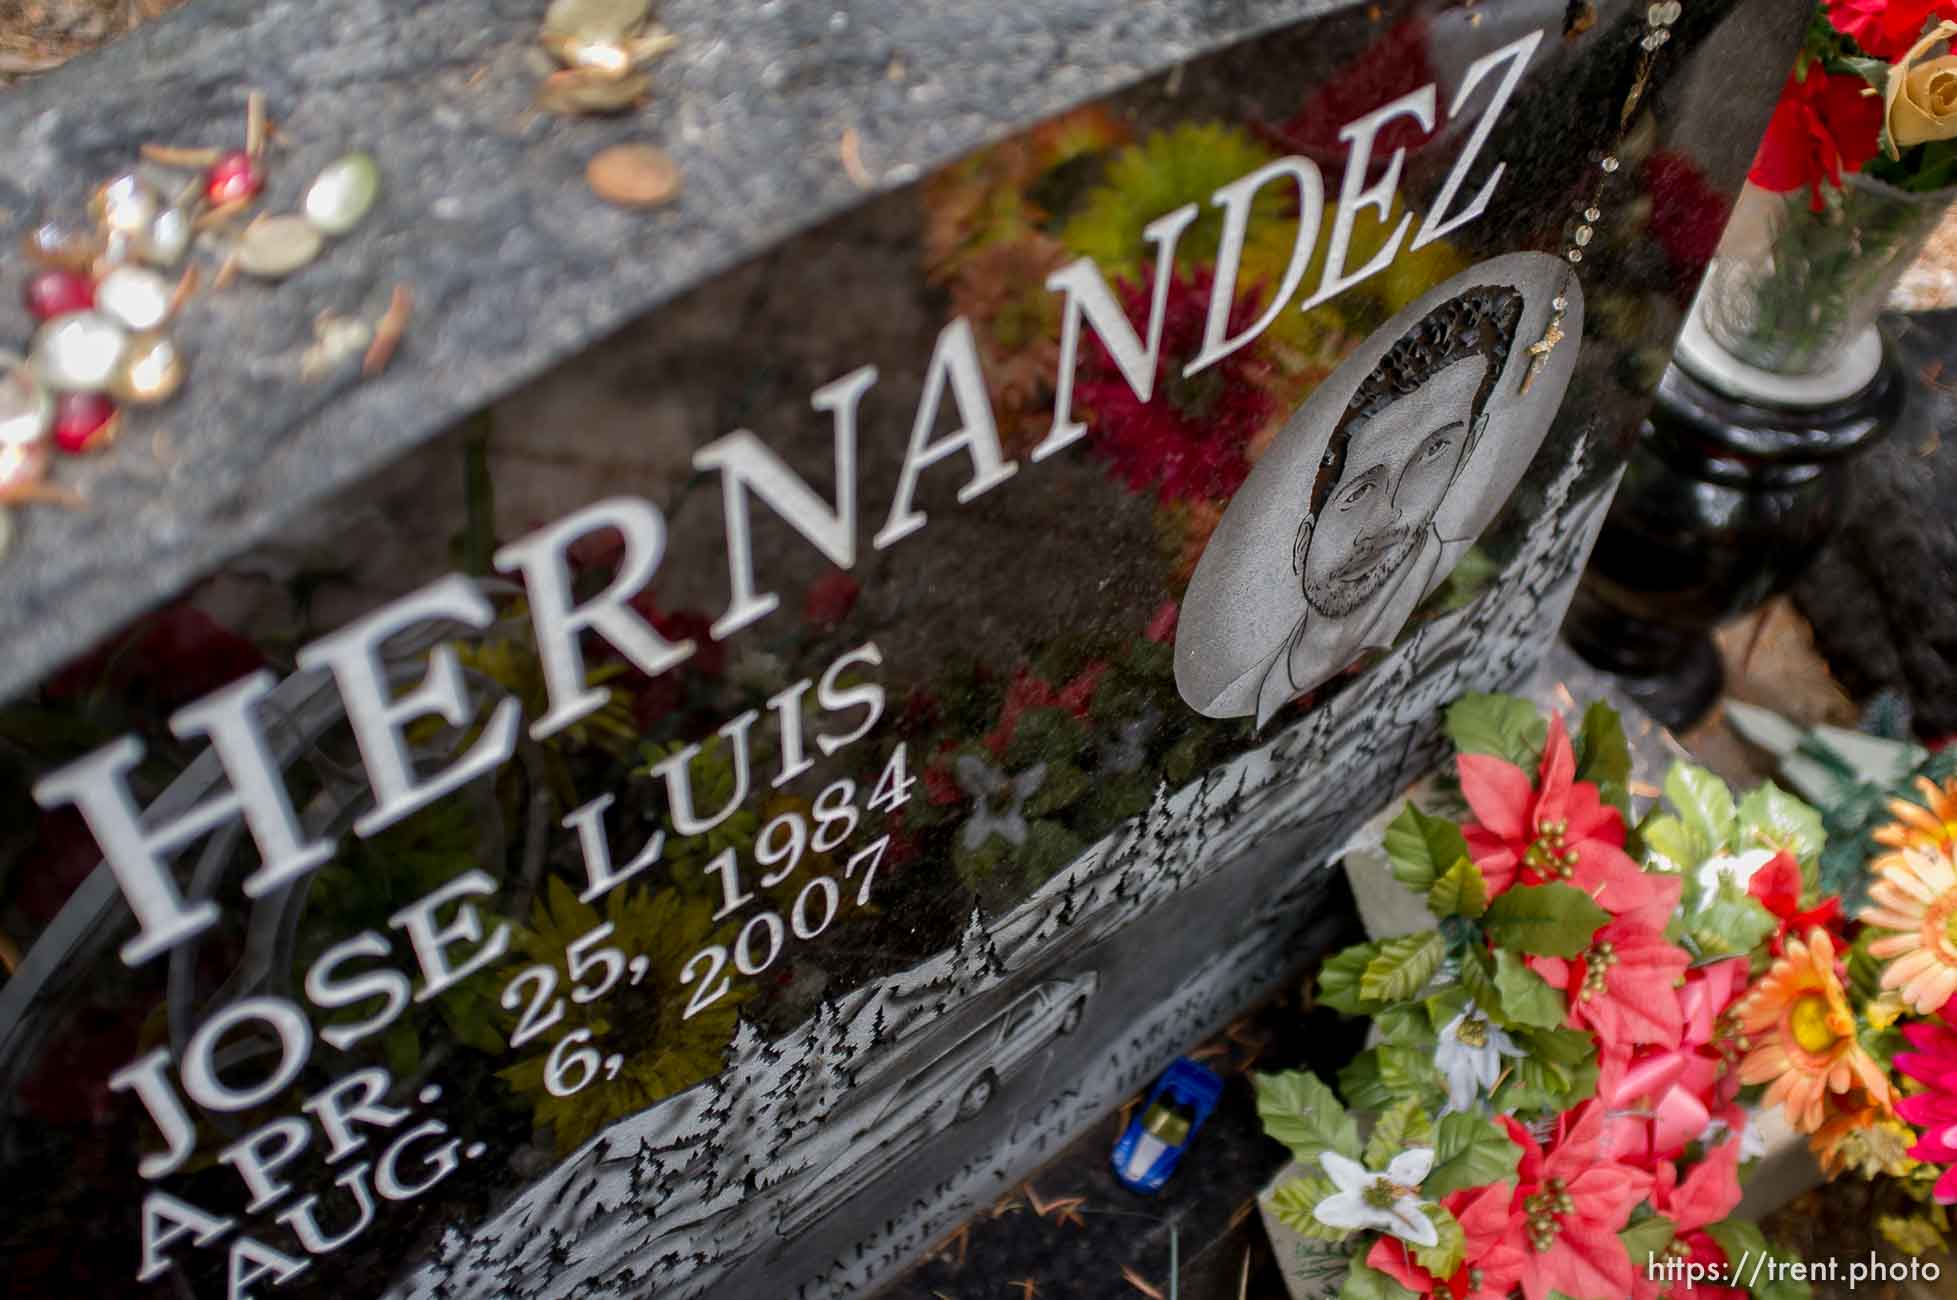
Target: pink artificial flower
[(1555, 831), (1706, 1195), (1619, 986), (1570, 1203), (1934, 1110), (1661, 1098)]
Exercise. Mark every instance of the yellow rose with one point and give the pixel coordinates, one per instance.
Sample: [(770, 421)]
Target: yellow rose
[(1920, 100)]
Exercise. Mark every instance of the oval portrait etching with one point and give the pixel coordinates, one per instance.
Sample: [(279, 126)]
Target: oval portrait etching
[(1377, 485)]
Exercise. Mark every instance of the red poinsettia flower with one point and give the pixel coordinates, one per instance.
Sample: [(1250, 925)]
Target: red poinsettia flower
[(1887, 28), (1557, 830), (1483, 1213), (1825, 124), (1660, 1098), (1190, 441), (1622, 986), (1570, 1203), (1706, 1195), (1778, 887)]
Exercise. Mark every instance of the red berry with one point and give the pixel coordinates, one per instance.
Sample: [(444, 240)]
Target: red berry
[(57, 293), (234, 176), (83, 422)]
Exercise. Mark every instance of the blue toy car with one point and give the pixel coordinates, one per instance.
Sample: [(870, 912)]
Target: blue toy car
[(1158, 1135)]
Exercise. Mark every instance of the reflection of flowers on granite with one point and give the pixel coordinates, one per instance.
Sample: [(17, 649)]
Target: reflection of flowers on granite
[(665, 1052), (174, 656), (998, 800), (1016, 320), (1191, 441), (1009, 191), (1395, 64), (831, 597), (1127, 749), (1169, 169), (1688, 215)]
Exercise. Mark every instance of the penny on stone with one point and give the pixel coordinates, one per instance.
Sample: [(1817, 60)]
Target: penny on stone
[(576, 91), (277, 246), (135, 296), (126, 205), (79, 352), (152, 371), (342, 195), (634, 176)]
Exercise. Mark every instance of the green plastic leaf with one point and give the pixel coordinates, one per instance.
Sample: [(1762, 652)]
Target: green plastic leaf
[(1478, 979), (1704, 804), (1402, 967), (1301, 1112), (1363, 1283), (1449, 1251), (1294, 1201), (1771, 818), (1400, 1126), (1422, 848), (1645, 1242), (1405, 1025), (1459, 892), (1338, 980), (1362, 1084), (1730, 922), (1606, 755), (1559, 1071), (1469, 1151), (1410, 1072), (1501, 725), (1742, 1240), (1546, 920), (1666, 834), (1527, 998)]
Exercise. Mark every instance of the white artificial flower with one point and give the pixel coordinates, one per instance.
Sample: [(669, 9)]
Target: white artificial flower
[(1753, 1143), (1469, 1055), (1739, 868), (1388, 1201)]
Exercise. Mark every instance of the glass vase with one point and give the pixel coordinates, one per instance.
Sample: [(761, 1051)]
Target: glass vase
[(1792, 288)]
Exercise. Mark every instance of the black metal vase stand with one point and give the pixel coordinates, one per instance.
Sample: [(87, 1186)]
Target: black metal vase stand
[(1734, 487)]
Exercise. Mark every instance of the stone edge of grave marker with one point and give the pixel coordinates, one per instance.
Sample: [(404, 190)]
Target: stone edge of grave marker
[(527, 267)]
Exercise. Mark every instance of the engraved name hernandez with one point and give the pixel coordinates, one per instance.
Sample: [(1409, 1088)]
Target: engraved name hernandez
[(138, 846)]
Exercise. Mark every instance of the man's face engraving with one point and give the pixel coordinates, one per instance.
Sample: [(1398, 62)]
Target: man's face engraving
[(1397, 469)]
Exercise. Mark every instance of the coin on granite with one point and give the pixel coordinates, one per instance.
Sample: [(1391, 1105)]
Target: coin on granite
[(135, 296), (595, 20), (577, 91), (272, 247), (126, 205), (26, 406), (151, 371), (342, 195), (634, 175), (167, 239), (79, 352)]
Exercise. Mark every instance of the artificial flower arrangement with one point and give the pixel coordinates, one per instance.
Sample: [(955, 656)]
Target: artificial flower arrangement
[(1863, 145), (1558, 1065)]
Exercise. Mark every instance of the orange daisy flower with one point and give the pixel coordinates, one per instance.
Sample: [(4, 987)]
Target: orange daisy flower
[(1802, 1034), (1915, 895), (1930, 826)]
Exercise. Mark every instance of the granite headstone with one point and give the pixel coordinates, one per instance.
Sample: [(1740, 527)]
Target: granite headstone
[(774, 713)]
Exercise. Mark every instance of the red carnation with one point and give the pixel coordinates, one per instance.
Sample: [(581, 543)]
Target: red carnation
[(1826, 123), (1887, 28)]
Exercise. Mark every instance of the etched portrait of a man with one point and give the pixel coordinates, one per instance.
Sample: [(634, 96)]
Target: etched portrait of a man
[(1376, 486)]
